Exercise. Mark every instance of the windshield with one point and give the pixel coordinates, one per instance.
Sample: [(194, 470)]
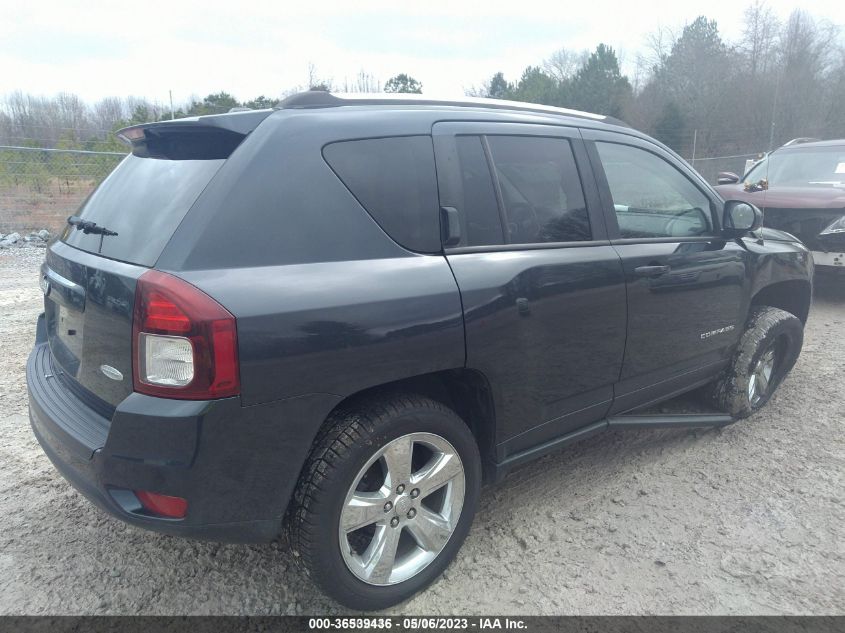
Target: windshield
[(812, 166), (143, 201)]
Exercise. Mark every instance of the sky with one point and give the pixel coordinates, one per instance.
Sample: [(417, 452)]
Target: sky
[(248, 48)]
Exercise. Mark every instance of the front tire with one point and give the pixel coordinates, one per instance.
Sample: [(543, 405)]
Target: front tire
[(767, 352), (385, 500)]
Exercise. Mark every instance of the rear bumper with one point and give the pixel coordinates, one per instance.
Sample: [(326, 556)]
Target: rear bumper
[(237, 466)]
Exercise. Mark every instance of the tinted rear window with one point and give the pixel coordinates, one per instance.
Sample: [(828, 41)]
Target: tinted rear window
[(394, 180), (143, 200), (541, 189)]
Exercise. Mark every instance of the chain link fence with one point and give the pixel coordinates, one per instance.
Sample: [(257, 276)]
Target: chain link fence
[(39, 188), (709, 168)]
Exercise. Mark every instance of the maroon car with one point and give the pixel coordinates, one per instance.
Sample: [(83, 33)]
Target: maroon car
[(801, 189)]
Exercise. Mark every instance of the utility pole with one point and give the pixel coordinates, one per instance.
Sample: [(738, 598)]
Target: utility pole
[(694, 139), (172, 114)]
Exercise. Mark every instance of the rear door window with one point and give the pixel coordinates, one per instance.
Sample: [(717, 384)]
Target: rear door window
[(395, 181), (143, 200), (541, 190)]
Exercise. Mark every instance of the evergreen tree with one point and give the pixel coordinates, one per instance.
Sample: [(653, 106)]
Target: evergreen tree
[(218, 103), (599, 85), (498, 87), (670, 127), (535, 86), (403, 83), (693, 74), (260, 103)]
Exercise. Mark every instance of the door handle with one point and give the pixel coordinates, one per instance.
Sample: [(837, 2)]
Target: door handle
[(450, 226), (651, 271)]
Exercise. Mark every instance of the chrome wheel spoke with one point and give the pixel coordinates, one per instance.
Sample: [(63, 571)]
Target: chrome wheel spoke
[(768, 359), (442, 469), (397, 456), (382, 554), (762, 381), (761, 376), (363, 509), (430, 530)]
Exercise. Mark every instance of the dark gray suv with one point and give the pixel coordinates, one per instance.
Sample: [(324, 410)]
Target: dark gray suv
[(339, 317)]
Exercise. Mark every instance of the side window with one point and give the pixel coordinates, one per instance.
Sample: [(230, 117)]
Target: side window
[(651, 197), (394, 180), (541, 190), (482, 224)]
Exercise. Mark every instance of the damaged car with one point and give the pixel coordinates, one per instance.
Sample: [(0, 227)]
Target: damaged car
[(801, 189)]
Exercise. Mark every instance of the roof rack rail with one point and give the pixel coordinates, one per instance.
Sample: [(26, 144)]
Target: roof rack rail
[(323, 99), (799, 140)]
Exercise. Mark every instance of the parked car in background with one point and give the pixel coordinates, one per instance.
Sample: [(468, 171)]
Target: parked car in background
[(801, 189)]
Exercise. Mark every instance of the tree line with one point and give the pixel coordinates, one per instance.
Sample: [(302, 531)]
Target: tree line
[(692, 89), (65, 121), (701, 94)]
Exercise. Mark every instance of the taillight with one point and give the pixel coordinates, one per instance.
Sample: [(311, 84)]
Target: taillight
[(162, 505), (184, 343)]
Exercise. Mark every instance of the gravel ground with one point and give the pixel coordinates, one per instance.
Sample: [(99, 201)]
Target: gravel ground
[(744, 520)]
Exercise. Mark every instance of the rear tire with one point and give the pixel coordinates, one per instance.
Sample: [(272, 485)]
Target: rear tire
[(385, 500), (767, 352)]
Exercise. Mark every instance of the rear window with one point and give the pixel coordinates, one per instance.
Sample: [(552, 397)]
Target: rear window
[(802, 167), (394, 180), (143, 200)]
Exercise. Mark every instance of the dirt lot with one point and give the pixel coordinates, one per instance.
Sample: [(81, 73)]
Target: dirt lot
[(747, 519)]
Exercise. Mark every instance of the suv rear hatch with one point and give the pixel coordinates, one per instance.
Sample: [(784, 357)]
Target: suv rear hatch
[(89, 276)]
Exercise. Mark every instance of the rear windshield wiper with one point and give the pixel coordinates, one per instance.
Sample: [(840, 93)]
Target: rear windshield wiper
[(88, 227)]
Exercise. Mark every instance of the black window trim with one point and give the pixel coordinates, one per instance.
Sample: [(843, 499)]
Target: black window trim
[(497, 189), (534, 246), (601, 136), (583, 165)]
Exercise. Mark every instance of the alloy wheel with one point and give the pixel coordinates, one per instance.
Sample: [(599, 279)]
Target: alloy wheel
[(402, 508), (761, 377)]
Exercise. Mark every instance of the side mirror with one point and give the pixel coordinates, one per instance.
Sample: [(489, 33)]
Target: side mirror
[(727, 178), (741, 217)]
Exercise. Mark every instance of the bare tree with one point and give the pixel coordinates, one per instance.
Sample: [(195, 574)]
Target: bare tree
[(478, 91), (807, 49), (108, 112), (315, 82), (641, 73), (564, 63), (363, 82), (659, 44), (834, 107), (759, 38)]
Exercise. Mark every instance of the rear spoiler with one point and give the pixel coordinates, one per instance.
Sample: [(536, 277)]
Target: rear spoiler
[(197, 138)]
